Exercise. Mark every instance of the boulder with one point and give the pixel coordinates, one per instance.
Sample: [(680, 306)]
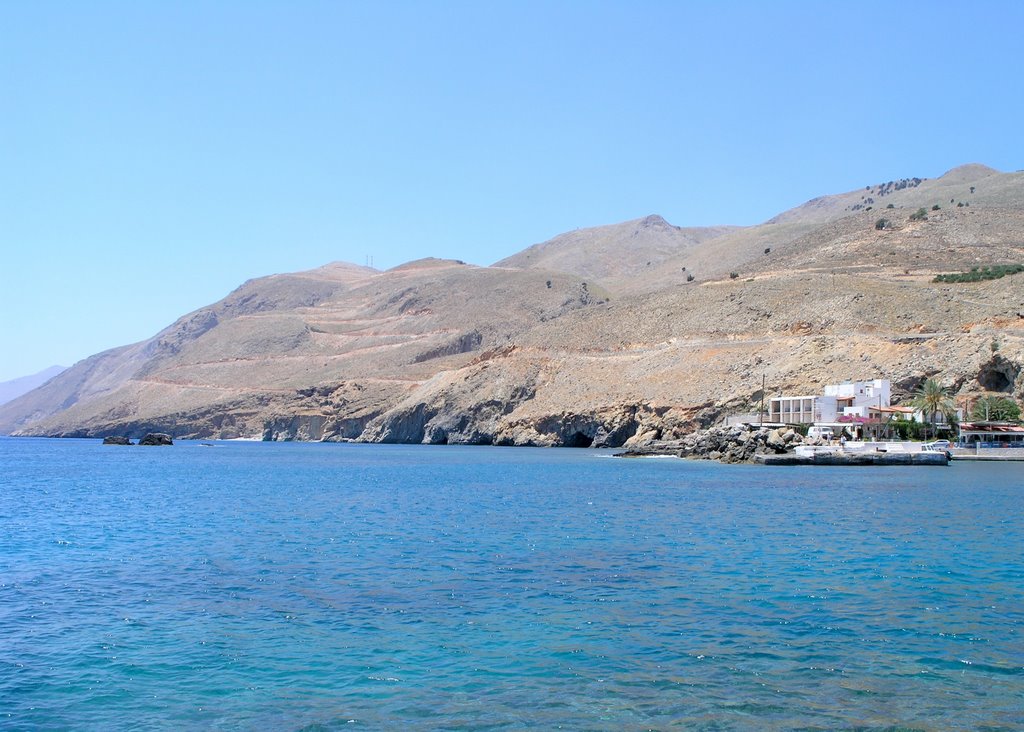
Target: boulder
[(115, 440), (156, 438), (641, 438), (776, 441)]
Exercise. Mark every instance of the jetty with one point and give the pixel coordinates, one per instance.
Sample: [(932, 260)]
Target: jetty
[(988, 454), (805, 455)]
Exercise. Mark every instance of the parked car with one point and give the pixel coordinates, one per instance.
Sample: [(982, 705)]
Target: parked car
[(937, 446)]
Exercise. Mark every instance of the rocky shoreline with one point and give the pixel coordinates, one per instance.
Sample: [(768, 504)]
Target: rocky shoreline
[(737, 444), (763, 446), (150, 439)]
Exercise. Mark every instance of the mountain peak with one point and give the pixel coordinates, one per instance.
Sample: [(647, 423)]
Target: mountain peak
[(968, 172), (653, 221), (428, 263), (344, 271)]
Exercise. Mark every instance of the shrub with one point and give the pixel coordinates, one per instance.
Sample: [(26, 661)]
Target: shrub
[(767, 250), (994, 272), (935, 207), (907, 430), (689, 278), (733, 275), (891, 205), (881, 224), (919, 215)]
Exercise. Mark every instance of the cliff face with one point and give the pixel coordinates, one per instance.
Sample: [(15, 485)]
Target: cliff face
[(666, 340)]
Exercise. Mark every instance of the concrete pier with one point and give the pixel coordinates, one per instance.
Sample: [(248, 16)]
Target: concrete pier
[(994, 454), (863, 457)]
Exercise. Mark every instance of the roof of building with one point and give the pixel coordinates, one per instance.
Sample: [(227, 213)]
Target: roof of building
[(990, 427)]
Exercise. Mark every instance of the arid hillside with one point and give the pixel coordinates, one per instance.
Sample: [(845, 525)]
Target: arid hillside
[(615, 254), (979, 221), (376, 334), (588, 339)]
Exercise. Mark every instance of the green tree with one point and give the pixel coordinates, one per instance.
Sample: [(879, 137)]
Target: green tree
[(920, 215), (996, 409), (932, 399)]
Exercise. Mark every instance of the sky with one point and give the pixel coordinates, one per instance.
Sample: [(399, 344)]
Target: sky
[(155, 155)]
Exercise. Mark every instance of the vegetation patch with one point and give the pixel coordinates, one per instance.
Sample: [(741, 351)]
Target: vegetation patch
[(996, 409), (979, 274)]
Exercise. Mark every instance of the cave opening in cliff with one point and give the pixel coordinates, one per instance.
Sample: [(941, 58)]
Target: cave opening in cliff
[(998, 375), (578, 439)]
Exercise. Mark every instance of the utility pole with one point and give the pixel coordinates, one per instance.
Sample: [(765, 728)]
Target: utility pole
[(760, 413)]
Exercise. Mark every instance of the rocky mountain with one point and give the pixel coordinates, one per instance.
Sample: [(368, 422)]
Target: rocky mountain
[(616, 254), (596, 337), (361, 337)]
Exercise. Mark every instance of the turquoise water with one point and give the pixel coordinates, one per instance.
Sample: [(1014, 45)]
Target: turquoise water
[(320, 587)]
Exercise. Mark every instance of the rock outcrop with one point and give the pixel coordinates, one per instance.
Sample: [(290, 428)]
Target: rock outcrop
[(737, 444), (116, 440), (156, 439)]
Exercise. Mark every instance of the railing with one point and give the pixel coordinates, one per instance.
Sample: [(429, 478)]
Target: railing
[(985, 445)]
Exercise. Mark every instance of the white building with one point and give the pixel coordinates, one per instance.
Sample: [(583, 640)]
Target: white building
[(851, 399), (801, 409)]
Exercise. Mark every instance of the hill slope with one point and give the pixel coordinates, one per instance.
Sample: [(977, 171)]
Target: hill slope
[(616, 252), (14, 388), (277, 337), (987, 229), (438, 351)]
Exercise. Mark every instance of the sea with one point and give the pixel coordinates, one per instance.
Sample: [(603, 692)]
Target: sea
[(297, 586)]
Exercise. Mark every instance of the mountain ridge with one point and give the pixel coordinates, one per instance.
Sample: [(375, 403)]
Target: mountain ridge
[(13, 388), (593, 337)]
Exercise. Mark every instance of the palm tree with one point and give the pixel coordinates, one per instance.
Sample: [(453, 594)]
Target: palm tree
[(996, 409), (931, 399)]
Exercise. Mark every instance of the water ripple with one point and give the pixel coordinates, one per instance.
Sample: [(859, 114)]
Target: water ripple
[(322, 587)]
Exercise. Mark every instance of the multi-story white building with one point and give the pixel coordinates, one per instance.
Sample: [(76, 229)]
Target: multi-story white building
[(853, 398), (850, 399), (801, 409)]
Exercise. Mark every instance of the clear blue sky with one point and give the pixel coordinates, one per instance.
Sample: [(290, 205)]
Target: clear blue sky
[(153, 156)]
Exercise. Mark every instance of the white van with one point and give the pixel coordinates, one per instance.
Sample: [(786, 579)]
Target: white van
[(819, 433)]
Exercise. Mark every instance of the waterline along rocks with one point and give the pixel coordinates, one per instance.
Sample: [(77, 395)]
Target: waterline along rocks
[(738, 444)]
